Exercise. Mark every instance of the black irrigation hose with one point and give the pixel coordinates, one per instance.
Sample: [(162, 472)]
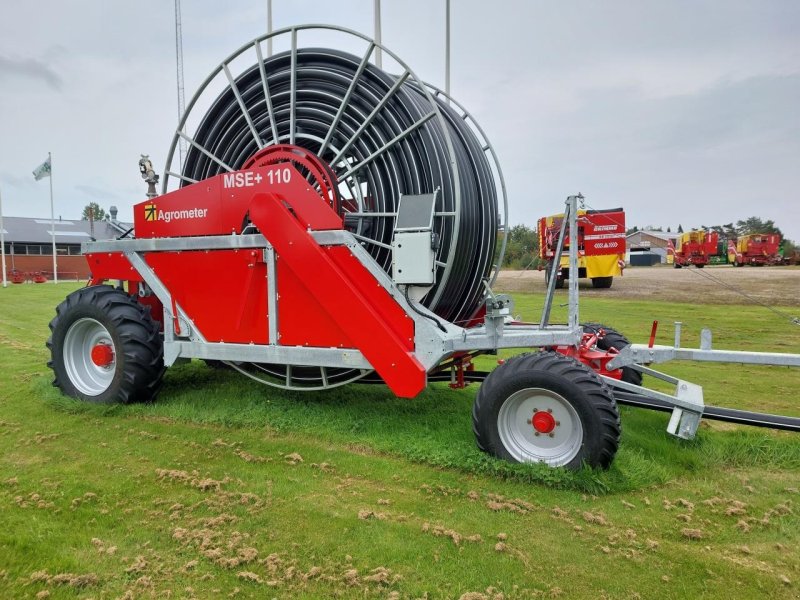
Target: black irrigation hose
[(419, 164), (713, 413)]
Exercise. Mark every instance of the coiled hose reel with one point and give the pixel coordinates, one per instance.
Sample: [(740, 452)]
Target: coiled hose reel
[(382, 134)]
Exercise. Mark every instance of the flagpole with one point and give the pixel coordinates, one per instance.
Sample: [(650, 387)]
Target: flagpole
[(3, 241), (52, 219)]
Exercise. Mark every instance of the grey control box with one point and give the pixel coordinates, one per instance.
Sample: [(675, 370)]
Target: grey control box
[(413, 258), (413, 247)]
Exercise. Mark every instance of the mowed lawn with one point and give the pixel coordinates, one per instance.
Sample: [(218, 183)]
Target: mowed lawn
[(224, 488)]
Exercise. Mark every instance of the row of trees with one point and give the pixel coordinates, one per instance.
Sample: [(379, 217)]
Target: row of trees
[(729, 230), (522, 249)]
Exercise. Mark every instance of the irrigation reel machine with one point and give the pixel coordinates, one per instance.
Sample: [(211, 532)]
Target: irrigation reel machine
[(332, 223)]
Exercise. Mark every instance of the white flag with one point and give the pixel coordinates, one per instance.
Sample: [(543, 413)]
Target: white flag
[(43, 170)]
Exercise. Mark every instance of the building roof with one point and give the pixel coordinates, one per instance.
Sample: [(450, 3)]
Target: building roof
[(661, 235), (37, 231)]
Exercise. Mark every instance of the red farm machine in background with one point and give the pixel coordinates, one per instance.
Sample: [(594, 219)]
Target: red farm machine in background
[(601, 246), (356, 261), (757, 249), (695, 248)]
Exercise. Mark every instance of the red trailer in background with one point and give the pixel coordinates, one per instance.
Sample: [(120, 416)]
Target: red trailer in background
[(695, 248), (756, 249)]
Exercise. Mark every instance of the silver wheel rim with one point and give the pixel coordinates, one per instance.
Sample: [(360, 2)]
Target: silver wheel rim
[(87, 377), (519, 437)]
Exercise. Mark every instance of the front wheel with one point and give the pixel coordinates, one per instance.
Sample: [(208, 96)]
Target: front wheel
[(105, 347), (549, 408)]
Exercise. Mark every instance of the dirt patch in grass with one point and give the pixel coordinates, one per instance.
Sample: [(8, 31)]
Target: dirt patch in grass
[(711, 285)]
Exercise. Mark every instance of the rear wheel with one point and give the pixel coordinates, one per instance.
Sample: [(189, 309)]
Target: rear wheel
[(105, 347), (614, 339), (699, 266), (602, 282), (559, 278), (549, 408)]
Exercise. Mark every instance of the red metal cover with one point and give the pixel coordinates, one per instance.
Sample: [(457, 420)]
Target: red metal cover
[(223, 292), (603, 232), (218, 205), (600, 233)]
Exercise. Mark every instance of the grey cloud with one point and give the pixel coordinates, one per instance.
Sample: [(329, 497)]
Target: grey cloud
[(95, 192), (15, 180), (31, 69)]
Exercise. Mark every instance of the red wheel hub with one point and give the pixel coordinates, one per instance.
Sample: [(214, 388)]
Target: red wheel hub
[(102, 355), (543, 421)]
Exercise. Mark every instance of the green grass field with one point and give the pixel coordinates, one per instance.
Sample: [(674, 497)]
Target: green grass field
[(226, 488)]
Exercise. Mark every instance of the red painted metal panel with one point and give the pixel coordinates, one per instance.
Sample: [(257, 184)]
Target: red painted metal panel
[(603, 232), (111, 265), (302, 320), (218, 205), (339, 298), (224, 292), (379, 299), (600, 233)]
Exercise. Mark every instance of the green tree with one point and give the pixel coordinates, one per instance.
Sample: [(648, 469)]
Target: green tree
[(522, 249), (756, 225), (98, 214)]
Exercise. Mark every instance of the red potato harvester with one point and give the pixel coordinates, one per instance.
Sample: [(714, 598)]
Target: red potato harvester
[(333, 223)]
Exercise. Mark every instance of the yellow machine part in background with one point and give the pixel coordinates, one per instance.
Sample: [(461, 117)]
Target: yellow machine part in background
[(597, 266)]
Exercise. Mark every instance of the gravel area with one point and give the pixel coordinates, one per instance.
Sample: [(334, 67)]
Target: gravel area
[(778, 286)]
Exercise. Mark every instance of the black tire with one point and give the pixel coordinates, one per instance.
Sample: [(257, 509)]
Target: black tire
[(579, 399), (559, 278), (602, 283), (699, 266), (104, 316), (614, 339), (676, 265)]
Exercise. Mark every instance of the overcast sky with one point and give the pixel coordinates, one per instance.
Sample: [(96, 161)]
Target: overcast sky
[(682, 111)]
